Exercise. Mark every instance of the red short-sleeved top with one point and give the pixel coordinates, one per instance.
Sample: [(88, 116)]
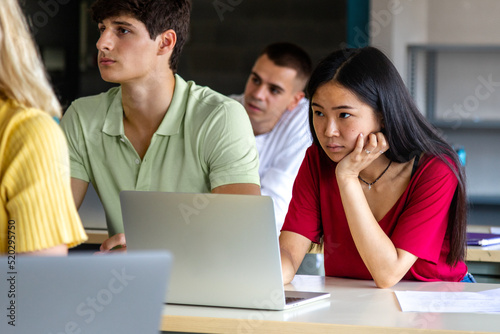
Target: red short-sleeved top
[(416, 223)]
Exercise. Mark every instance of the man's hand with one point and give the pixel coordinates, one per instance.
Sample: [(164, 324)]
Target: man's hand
[(116, 243)]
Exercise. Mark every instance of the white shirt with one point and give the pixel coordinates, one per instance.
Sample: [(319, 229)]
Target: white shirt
[(281, 152)]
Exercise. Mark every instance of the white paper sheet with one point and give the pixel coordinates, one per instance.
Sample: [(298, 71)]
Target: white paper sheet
[(495, 230), (468, 302)]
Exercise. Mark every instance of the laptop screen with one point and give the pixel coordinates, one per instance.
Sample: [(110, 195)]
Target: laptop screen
[(84, 293)]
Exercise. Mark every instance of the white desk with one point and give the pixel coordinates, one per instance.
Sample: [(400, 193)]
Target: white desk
[(356, 307)]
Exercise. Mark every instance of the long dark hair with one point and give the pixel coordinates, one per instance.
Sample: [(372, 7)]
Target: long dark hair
[(371, 76)]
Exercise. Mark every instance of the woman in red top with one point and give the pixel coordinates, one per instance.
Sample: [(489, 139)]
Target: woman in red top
[(379, 186)]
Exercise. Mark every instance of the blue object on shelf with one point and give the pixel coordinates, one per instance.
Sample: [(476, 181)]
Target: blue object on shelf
[(462, 155)]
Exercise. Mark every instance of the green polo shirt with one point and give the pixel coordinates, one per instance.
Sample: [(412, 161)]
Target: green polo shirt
[(204, 141)]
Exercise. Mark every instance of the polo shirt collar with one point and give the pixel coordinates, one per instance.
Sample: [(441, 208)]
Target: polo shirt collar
[(171, 123), (113, 124)]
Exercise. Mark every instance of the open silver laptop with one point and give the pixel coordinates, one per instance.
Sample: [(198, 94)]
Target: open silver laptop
[(83, 293), (225, 247)]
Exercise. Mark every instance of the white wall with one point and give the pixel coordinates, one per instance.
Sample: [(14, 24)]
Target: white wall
[(395, 24), (464, 21)]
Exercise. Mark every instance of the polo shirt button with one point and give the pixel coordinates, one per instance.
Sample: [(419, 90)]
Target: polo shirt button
[(122, 139), (137, 161)]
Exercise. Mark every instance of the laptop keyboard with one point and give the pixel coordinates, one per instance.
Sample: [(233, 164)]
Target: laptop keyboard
[(291, 300)]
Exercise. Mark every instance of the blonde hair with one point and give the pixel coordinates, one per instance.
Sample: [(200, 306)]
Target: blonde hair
[(22, 75)]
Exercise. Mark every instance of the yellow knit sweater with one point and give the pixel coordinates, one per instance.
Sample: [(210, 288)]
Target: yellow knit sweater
[(37, 210)]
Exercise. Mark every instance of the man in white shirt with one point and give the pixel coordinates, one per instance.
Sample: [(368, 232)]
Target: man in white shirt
[(274, 100)]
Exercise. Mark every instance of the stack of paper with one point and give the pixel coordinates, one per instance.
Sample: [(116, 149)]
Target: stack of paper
[(469, 302), (482, 239)]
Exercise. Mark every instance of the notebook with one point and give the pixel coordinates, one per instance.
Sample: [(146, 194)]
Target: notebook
[(225, 247), (83, 293), (482, 239)]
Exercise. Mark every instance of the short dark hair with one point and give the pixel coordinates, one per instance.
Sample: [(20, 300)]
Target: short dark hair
[(157, 15), (290, 55), (372, 77)]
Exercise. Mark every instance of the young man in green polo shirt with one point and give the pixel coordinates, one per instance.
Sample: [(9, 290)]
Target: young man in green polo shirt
[(155, 131)]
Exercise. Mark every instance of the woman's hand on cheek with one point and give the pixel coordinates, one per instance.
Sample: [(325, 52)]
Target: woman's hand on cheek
[(362, 155)]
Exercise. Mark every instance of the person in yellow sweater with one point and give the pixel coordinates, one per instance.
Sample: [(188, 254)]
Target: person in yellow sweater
[(37, 212)]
